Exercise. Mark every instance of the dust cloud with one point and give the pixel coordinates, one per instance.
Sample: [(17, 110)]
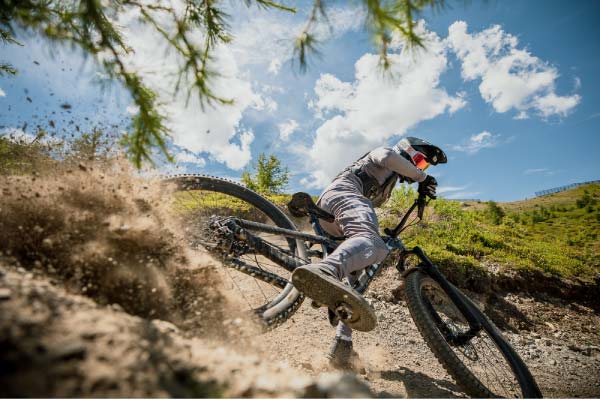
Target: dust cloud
[(109, 234)]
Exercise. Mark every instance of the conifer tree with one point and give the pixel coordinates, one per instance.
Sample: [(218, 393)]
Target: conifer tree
[(90, 25)]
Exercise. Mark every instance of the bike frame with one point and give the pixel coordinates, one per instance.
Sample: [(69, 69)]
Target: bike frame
[(241, 230)]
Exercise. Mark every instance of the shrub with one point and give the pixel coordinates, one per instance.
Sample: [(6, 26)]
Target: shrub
[(585, 200), (495, 212), (402, 198), (269, 176)]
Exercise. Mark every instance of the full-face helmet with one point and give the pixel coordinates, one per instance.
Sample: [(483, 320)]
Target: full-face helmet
[(421, 153)]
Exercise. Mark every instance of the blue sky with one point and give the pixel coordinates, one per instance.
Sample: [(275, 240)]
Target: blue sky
[(509, 89)]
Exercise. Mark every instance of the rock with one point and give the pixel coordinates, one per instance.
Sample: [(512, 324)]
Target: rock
[(575, 348), (336, 385), (73, 349), (307, 366), (164, 326), (5, 293), (552, 362)]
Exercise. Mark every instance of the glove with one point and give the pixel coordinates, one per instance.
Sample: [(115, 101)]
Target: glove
[(428, 186)]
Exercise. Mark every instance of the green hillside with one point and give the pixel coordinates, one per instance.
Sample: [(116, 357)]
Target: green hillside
[(556, 234)]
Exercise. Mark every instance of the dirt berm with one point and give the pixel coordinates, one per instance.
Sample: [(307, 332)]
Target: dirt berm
[(99, 297), (56, 344)]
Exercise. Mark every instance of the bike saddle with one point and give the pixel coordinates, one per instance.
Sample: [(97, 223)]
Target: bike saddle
[(302, 205)]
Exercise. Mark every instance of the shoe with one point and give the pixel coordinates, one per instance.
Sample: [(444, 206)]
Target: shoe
[(342, 355), (322, 285)]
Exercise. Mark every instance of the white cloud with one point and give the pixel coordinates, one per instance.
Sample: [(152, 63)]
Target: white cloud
[(267, 38), (262, 103), (457, 192), (531, 171), (2, 93), (521, 115), (260, 38), (216, 129), (132, 109), (483, 140), (274, 66), (189, 158), (446, 189), (511, 78), (463, 195), (17, 135), (286, 129), (364, 113)]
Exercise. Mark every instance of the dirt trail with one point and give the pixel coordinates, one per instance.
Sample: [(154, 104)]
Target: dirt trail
[(57, 344), (560, 342), (99, 296)]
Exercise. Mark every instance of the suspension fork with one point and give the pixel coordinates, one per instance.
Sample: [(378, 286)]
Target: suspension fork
[(434, 273)]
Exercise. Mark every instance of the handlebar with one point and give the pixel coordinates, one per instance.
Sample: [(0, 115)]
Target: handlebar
[(420, 204)]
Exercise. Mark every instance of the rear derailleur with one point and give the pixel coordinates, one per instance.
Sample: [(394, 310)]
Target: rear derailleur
[(221, 233)]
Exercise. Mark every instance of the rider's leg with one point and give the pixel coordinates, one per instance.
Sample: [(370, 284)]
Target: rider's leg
[(357, 221), (356, 253), (343, 331)]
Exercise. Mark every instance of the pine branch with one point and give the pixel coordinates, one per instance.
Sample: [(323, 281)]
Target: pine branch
[(270, 4), (384, 18), (306, 42)]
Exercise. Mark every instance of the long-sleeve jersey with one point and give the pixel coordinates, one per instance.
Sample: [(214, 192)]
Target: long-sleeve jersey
[(382, 162), (384, 165)]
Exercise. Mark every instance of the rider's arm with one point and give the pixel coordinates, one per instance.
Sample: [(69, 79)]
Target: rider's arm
[(389, 159)]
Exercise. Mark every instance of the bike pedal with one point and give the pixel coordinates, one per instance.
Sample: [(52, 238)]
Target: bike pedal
[(344, 312)]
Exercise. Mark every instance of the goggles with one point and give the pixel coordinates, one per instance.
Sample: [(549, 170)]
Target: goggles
[(417, 157), (420, 161)]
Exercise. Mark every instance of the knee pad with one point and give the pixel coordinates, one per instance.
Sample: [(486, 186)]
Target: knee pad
[(381, 250)]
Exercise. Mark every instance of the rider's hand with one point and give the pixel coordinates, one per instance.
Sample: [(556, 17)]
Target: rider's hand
[(428, 186)]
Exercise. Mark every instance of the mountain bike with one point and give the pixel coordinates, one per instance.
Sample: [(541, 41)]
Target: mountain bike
[(260, 246)]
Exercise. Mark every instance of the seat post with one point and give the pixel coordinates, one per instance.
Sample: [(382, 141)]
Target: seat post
[(314, 221)]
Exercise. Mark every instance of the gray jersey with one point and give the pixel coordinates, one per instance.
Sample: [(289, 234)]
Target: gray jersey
[(384, 165), (381, 162)]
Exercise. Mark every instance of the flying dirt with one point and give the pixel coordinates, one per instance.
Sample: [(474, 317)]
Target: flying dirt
[(100, 295)]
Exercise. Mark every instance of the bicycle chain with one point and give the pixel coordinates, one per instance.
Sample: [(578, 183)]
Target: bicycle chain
[(228, 248)]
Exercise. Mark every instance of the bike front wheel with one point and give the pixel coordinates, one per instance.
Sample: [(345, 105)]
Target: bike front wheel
[(485, 365)]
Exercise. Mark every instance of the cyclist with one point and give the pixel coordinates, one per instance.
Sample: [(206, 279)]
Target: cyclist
[(351, 198)]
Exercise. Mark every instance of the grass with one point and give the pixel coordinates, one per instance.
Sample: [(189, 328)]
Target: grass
[(556, 234)]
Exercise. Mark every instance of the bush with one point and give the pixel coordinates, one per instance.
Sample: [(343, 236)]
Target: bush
[(401, 199), (585, 200), (24, 156), (495, 212), (269, 176)]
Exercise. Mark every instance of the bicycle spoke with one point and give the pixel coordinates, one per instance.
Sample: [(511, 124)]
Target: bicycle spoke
[(196, 207), (241, 291), (483, 358)]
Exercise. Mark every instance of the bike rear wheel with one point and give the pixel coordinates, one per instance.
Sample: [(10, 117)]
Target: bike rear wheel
[(486, 365), (259, 285)]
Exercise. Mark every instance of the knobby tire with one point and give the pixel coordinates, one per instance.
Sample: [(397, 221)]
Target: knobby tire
[(289, 300), (422, 316)]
